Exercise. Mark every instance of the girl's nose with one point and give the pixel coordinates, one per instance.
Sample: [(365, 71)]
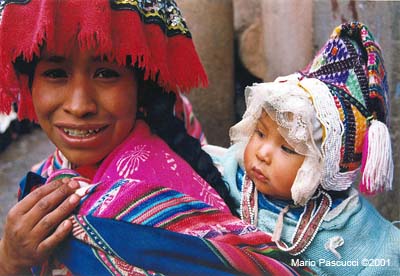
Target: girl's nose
[(80, 100)]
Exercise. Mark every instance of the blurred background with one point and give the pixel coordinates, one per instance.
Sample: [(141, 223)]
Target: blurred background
[(241, 42)]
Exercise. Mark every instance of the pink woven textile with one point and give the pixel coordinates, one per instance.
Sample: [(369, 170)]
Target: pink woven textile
[(144, 157)]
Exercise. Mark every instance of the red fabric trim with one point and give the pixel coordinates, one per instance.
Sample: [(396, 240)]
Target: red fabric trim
[(86, 171)]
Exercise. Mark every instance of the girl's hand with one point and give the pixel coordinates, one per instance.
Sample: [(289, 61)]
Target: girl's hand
[(36, 225)]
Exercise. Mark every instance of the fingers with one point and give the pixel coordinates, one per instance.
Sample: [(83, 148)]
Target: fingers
[(54, 218), (32, 229), (51, 201), (30, 200), (56, 238)]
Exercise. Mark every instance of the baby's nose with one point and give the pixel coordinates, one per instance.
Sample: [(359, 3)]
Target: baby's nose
[(264, 153)]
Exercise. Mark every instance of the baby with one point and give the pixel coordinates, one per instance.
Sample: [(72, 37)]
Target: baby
[(298, 150)]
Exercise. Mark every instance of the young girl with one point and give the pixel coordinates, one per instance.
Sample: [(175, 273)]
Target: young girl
[(102, 78), (298, 150)]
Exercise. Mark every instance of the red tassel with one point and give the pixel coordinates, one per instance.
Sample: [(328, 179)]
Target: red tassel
[(6, 101), (25, 103)]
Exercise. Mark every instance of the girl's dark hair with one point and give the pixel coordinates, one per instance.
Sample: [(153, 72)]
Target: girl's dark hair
[(159, 114)]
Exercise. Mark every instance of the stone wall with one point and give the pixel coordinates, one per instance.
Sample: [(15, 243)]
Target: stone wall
[(211, 25)]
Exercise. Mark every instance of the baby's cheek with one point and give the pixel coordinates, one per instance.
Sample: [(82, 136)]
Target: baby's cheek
[(247, 156)]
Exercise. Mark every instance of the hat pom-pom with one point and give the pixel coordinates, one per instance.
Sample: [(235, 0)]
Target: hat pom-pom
[(377, 162)]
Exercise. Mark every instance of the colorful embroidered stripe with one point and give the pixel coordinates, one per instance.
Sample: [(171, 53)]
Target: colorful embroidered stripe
[(167, 204), (165, 214), (107, 263), (95, 237), (144, 203), (163, 13), (183, 215)]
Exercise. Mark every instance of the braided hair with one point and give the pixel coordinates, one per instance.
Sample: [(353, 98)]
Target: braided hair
[(159, 109)]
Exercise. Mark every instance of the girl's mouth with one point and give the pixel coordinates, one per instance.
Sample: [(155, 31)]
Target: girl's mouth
[(84, 136), (81, 133)]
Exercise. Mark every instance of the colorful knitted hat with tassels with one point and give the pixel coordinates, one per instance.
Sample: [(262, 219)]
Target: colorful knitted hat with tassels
[(351, 65), (152, 35)]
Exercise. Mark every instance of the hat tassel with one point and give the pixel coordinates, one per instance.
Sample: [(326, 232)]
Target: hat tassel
[(377, 162), (25, 103)]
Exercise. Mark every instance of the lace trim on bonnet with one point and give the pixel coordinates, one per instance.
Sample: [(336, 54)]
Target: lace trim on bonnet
[(329, 117), (288, 104)]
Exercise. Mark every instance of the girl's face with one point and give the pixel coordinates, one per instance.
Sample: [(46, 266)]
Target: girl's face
[(86, 106), (270, 161)]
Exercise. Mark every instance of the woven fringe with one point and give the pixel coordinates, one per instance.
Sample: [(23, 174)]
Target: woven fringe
[(377, 162), (25, 103), (6, 101)]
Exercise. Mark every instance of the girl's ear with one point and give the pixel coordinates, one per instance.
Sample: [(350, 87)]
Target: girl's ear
[(141, 113)]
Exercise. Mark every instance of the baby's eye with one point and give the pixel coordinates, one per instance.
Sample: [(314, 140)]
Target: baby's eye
[(288, 150), (259, 133), (55, 73), (106, 73)]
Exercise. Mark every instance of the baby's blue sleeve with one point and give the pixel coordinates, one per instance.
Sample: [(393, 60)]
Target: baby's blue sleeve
[(225, 159)]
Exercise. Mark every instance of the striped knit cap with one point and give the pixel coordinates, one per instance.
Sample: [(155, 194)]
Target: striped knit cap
[(351, 66)]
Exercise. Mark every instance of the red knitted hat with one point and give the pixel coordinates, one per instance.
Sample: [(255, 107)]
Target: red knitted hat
[(152, 33)]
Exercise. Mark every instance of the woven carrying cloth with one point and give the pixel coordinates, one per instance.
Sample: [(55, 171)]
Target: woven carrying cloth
[(146, 208), (150, 35)]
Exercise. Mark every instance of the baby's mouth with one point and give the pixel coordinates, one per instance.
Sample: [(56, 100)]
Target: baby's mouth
[(259, 174)]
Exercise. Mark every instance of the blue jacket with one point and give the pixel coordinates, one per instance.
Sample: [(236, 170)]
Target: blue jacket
[(371, 244)]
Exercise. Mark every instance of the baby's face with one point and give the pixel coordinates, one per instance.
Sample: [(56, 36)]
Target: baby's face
[(270, 161), (86, 106)]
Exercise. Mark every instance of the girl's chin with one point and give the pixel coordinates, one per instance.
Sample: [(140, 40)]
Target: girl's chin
[(78, 159)]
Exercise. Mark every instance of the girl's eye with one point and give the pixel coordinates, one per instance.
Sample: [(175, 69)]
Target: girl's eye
[(55, 73), (288, 150), (106, 73)]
